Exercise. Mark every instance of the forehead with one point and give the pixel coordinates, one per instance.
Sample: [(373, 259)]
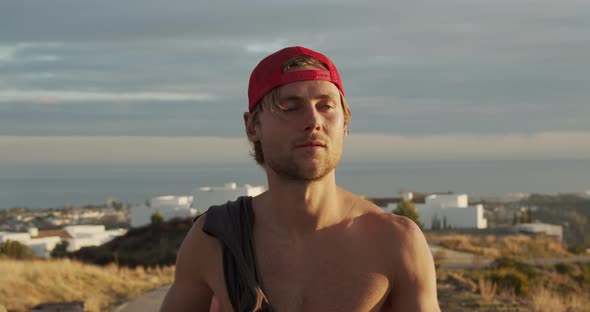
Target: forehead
[(309, 89)]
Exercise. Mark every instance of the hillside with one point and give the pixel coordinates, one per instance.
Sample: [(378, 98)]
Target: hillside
[(511, 285), (149, 246), (568, 210), (491, 246), (571, 211)]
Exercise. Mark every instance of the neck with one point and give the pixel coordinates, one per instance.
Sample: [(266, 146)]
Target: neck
[(299, 208)]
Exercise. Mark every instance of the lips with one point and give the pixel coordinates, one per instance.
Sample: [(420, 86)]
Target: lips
[(311, 144)]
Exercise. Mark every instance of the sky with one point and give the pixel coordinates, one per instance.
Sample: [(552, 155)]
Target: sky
[(156, 82)]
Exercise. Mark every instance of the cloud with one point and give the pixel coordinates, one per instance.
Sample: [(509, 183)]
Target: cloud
[(409, 68), (55, 97), (80, 150), (7, 53), (358, 148), (547, 145), (267, 47), (25, 52)]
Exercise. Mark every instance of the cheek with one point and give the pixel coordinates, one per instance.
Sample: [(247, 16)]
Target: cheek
[(272, 137)]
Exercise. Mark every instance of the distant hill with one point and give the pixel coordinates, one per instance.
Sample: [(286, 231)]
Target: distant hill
[(569, 210), (148, 246)]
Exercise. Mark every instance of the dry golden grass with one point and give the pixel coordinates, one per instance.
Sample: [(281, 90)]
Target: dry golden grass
[(503, 246), (487, 290), (543, 299), (24, 284)]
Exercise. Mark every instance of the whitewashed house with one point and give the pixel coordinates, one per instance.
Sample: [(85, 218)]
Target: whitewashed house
[(90, 235), (188, 206), (23, 237), (168, 206), (41, 246), (77, 236), (449, 211), (208, 196), (44, 245), (539, 228)]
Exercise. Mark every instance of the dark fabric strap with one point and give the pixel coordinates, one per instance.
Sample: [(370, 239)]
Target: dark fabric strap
[(231, 224)]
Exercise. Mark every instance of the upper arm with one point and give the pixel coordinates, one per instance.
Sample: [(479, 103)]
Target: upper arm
[(191, 290), (414, 276)]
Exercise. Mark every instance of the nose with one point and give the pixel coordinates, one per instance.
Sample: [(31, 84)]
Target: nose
[(312, 119)]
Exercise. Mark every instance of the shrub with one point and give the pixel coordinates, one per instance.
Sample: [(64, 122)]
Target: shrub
[(584, 277), (60, 250), (157, 218), (16, 250), (487, 290), (564, 268), (439, 257), (577, 249), (511, 280), (149, 246), (516, 265)]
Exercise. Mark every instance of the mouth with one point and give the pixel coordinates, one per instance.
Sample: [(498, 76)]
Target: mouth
[(311, 145)]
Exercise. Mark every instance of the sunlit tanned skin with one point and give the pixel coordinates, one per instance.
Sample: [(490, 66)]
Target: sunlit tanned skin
[(318, 247)]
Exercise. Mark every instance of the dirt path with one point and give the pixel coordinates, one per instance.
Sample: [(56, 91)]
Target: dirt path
[(459, 259), (147, 302)]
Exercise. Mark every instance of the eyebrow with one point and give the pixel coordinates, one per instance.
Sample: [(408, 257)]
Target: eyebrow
[(298, 98)]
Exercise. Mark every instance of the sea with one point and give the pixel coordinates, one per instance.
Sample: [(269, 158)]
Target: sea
[(55, 186)]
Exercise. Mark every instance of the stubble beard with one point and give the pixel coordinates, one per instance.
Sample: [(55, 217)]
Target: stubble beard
[(288, 167)]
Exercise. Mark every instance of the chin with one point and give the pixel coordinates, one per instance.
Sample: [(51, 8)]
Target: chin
[(314, 172), (301, 172), (302, 168)]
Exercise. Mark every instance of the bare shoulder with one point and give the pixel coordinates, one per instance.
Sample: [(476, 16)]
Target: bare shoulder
[(197, 244), (395, 228), (398, 234), (196, 259), (402, 244)]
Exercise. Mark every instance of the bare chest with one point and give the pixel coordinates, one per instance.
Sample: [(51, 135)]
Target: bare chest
[(328, 278)]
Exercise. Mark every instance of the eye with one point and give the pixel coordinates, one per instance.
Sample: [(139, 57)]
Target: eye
[(289, 104), (288, 107), (326, 106)]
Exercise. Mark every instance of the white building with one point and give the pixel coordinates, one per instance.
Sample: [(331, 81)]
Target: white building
[(23, 238), (44, 245), (187, 206), (208, 196), (90, 235), (450, 211), (540, 228), (78, 236), (168, 206), (84, 230)]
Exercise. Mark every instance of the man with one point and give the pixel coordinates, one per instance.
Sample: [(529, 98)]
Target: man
[(305, 244)]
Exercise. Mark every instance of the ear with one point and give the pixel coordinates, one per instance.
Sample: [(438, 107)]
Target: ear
[(346, 131), (250, 126)]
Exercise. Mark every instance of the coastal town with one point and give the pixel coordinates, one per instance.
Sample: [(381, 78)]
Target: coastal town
[(42, 230), (478, 244)]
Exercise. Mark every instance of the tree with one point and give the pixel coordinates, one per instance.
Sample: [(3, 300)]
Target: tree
[(16, 250), (407, 209), (157, 218), (435, 223), (523, 216), (60, 250), (529, 215), (514, 218)]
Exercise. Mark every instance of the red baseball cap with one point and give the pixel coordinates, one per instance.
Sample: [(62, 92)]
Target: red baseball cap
[(268, 73)]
